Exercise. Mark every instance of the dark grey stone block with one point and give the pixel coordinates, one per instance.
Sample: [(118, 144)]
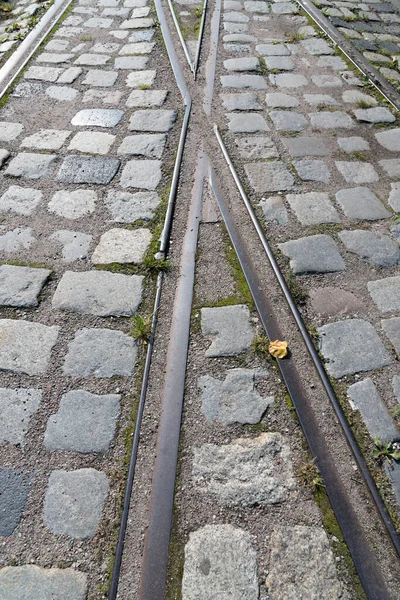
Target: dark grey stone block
[(88, 169), (14, 487)]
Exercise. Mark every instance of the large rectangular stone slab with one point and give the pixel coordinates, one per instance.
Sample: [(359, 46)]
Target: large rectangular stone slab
[(25, 347)]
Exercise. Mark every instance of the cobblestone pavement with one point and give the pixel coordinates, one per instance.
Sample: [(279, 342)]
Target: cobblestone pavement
[(18, 18)]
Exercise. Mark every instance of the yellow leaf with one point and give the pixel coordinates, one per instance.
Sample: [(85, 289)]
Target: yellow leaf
[(278, 349)]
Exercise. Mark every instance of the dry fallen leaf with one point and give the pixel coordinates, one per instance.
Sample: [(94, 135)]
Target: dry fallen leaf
[(278, 349)]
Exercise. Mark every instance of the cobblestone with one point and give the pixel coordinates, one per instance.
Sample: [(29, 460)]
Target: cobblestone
[(274, 177), (230, 330), (97, 117), (158, 121), (122, 246), (313, 208), (288, 121), (99, 78), (245, 101), (305, 146), (392, 330), (17, 406), (331, 120), (88, 169), (75, 245), (256, 147), (312, 170), (377, 249), (20, 200), (386, 293), (274, 210), (14, 485), (31, 166), (46, 139), (256, 82), (353, 144), (36, 583), (73, 205), (128, 208), (20, 286), (389, 139), (26, 346), (246, 123), (147, 98), (361, 204), (313, 254), (10, 131), (280, 100), (365, 398)]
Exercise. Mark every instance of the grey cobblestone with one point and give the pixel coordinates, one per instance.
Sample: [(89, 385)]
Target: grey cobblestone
[(273, 177), (10, 131), (386, 293), (14, 485), (256, 147), (230, 329), (31, 166), (97, 117), (284, 120), (305, 146), (99, 78), (20, 200), (21, 286), (353, 144), (158, 121), (312, 170), (146, 98), (376, 248), (75, 245), (245, 101), (17, 406), (274, 210), (26, 346), (128, 208), (246, 123), (360, 204), (313, 254), (313, 208), (73, 205), (389, 139), (365, 398), (122, 246), (357, 172), (88, 169), (35, 583)]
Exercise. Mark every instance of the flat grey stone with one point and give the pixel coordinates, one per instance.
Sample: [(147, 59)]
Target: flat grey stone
[(394, 196), (256, 6), (390, 74), (147, 98), (236, 17), (353, 144), (392, 329), (88, 169), (150, 145), (236, 27), (137, 24), (16, 408), (280, 100), (20, 286), (256, 147), (100, 352), (302, 564), (128, 208), (92, 60), (100, 78), (282, 63), (16, 239), (239, 37), (331, 120), (122, 246), (250, 63), (320, 100), (145, 174), (137, 48), (70, 75), (14, 486), (386, 293), (312, 170), (288, 80), (377, 249), (25, 346), (313, 254), (83, 423), (75, 245), (46, 139), (131, 62), (334, 301), (352, 346), (274, 210), (245, 472), (332, 62), (365, 398), (234, 400), (285, 120), (393, 474), (31, 166), (237, 47), (98, 293), (354, 96), (326, 81), (378, 114), (158, 121), (30, 582), (272, 49), (9, 131), (50, 74), (255, 82), (73, 205), (141, 78), (53, 58), (305, 146), (92, 142), (389, 139), (246, 123), (391, 166), (245, 101), (26, 89), (360, 204), (313, 208), (20, 200), (74, 502), (220, 562), (97, 117), (61, 93), (230, 329), (107, 96), (284, 8), (99, 23), (316, 46), (270, 177)]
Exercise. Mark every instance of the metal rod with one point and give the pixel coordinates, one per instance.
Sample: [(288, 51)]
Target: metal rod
[(181, 38), (198, 49)]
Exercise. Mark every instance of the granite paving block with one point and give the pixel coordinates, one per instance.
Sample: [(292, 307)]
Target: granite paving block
[(246, 123), (239, 37), (50, 74), (99, 23), (122, 246), (27, 89), (377, 58), (234, 400), (128, 208), (88, 169), (20, 200), (104, 96), (245, 472), (74, 502), (281, 63), (352, 346), (16, 239), (147, 98), (326, 81), (313, 208), (305, 146), (98, 293), (92, 142), (84, 422), (255, 82), (312, 170), (137, 24), (14, 486), (137, 48), (392, 329), (236, 17), (288, 80), (394, 196), (70, 75), (331, 120), (236, 27), (313, 254), (256, 147), (142, 78), (131, 62), (220, 562), (391, 166), (302, 564), (97, 117), (145, 174), (256, 6), (390, 74), (53, 58), (285, 8), (150, 145), (92, 60), (152, 120), (31, 166), (230, 329), (378, 114), (280, 100), (272, 49), (36, 583), (25, 347), (320, 100), (100, 352), (353, 144), (316, 46), (377, 249), (270, 177), (332, 301), (21, 286), (75, 245), (284, 120), (46, 139), (332, 62), (17, 406), (107, 48), (99, 78), (360, 203), (365, 398), (250, 63), (9, 131), (139, 12), (274, 210), (386, 293), (357, 172), (61, 93), (245, 101), (389, 139), (73, 205)]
